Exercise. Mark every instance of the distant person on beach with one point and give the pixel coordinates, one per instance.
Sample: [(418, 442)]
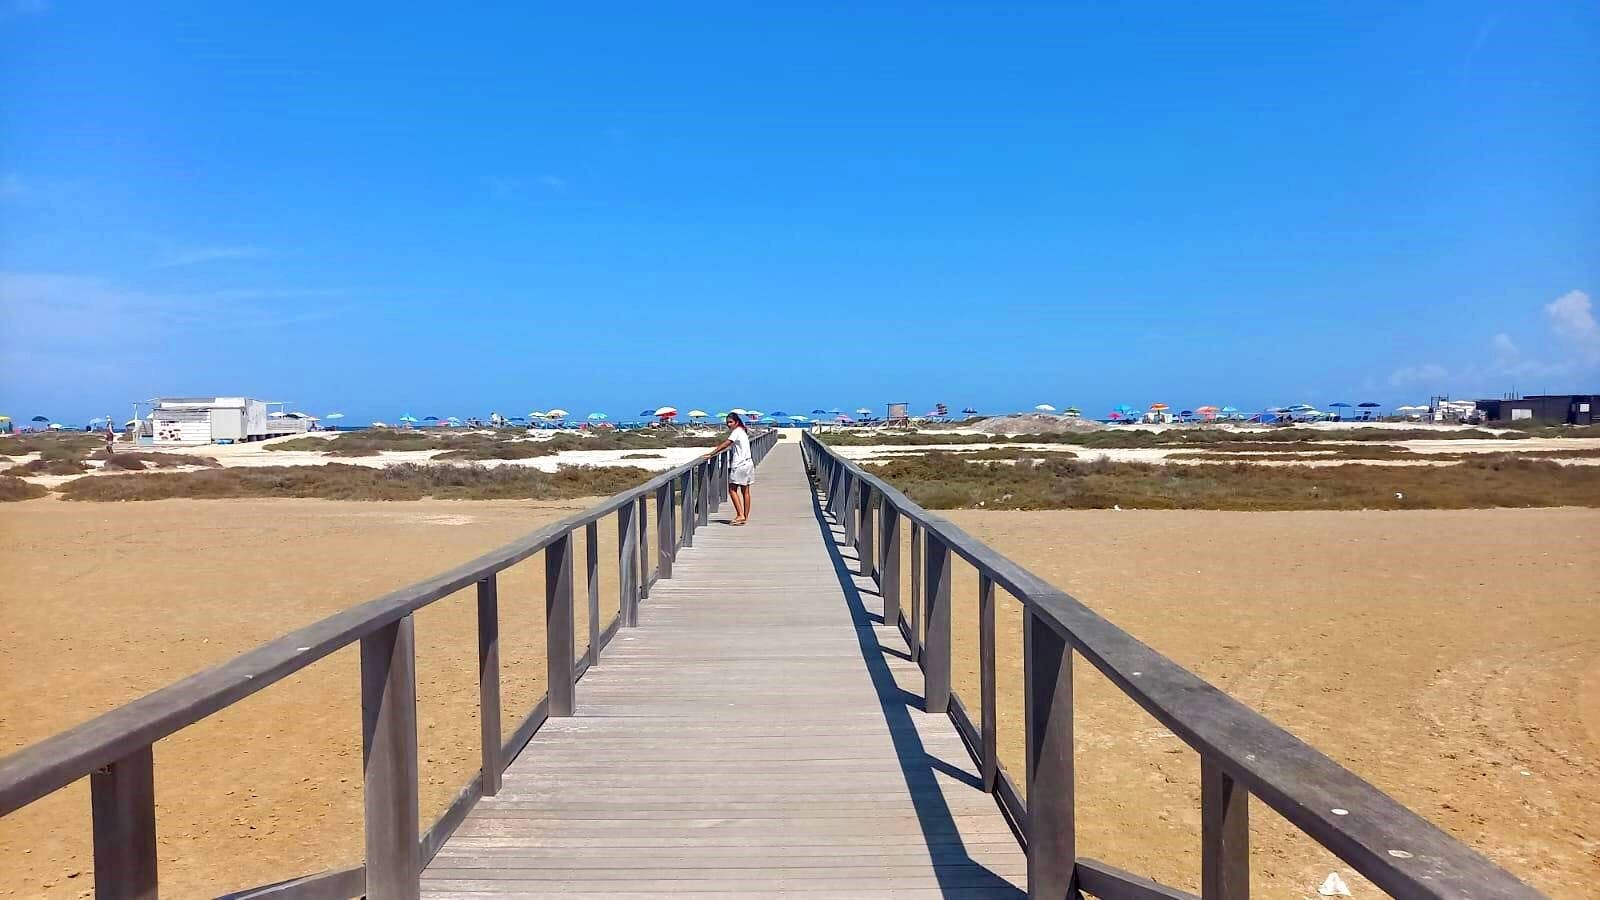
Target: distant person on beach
[(744, 467), (111, 437)]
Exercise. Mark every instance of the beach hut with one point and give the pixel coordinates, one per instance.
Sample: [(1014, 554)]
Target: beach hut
[(213, 420)]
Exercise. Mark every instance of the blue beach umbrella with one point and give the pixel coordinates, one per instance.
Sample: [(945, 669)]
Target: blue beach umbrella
[(1369, 405), (819, 412), (779, 414), (1338, 406), (430, 418), (647, 412), (598, 417)]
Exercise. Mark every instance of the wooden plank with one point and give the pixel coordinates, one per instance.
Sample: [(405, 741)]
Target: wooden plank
[(389, 761), (122, 799), (1111, 883), (335, 884)]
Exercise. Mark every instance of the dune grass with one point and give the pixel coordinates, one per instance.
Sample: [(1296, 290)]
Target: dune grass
[(941, 480), (337, 481), (13, 489)]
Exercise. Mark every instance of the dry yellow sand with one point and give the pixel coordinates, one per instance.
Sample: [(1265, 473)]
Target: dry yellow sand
[(1438, 654)]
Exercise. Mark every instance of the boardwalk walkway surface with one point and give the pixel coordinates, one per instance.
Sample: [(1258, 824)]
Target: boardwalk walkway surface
[(751, 737)]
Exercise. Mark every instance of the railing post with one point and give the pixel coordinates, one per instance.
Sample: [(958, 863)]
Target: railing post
[(389, 761), (849, 511), (628, 564), (987, 731), (489, 682), (915, 618), (889, 575), (936, 656), (122, 800), (1224, 835), (591, 546), (866, 547), (1047, 680), (835, 487), (558, 637), (644, 551), (706, 492), (686, 508), (664, 549)]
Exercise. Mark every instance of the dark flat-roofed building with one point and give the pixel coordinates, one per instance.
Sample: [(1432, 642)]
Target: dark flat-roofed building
[(1542, 409)]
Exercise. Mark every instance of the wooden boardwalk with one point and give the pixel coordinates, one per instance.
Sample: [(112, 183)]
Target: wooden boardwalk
[(752, 736)]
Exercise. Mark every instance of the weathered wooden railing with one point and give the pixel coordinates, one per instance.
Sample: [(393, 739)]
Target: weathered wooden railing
[(1242, 754), (115, 749)]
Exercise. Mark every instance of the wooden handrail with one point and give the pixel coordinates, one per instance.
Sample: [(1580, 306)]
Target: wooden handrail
[(114, 747), (1395, 848)]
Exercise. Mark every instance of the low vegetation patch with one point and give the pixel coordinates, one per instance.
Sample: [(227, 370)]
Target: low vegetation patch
[(336, 481), (13, 489), (47, 466), (151, 459), (643, 456), (949, 481), (52, 444)]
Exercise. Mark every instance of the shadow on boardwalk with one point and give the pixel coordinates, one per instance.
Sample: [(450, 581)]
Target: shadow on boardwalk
[(917, 766)]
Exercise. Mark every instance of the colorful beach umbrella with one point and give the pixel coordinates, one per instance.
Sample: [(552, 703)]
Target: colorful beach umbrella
[(1123, 408), (799, 418), (665, 412), (1158, 406), (697, 414)]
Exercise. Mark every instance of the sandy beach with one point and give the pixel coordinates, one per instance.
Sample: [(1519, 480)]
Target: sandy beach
[(1488, 667)]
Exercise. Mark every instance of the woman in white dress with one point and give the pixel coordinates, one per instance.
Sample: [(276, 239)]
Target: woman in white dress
[(743, 471)]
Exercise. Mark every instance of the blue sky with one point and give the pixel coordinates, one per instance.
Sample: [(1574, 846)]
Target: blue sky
[(378, 209)]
